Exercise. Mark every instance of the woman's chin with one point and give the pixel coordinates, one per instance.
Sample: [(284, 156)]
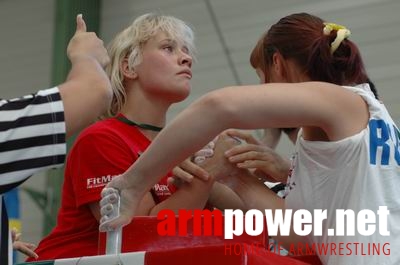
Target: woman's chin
[(181, 94)]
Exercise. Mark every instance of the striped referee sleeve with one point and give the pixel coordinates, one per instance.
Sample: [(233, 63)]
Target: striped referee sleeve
[(32, 136)]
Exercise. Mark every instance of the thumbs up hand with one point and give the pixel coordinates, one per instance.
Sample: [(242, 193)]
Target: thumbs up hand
[(86, 44)]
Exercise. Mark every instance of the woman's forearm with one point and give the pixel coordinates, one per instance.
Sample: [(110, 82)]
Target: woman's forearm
[(191, 126), (189, 196)]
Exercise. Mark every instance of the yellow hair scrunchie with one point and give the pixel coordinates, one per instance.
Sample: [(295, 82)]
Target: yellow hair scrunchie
[(341, 34)]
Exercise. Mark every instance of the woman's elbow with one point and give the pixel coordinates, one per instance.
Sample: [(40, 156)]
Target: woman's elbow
[(217, 103), (104, 90)]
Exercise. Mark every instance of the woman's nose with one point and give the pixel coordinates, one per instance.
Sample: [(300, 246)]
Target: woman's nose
[(186, 59)]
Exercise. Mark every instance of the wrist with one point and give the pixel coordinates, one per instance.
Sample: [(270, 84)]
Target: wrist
[(235, 180), (81, 57)]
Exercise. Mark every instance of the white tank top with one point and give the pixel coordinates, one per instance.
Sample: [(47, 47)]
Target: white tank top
[(358, 172)]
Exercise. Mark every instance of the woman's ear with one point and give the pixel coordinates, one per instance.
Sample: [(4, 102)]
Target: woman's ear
[(278, 65), (127, 71)]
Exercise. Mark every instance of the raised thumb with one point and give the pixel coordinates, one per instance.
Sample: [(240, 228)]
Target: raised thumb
[(80, 24)]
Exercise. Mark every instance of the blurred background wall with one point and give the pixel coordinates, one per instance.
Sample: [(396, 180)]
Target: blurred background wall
[(226, 31)]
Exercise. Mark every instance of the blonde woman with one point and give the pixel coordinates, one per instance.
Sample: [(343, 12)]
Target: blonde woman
[(150, 69)]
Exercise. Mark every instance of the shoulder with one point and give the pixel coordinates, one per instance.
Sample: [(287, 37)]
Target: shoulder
[(106, 134), (98, 132), (97, 127), (342, 112), (51, 95)]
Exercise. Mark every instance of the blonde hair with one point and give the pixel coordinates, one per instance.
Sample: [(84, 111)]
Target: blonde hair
[(129, 43)]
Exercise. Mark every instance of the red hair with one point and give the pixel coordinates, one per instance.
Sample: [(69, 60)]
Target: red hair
[(300, 37)]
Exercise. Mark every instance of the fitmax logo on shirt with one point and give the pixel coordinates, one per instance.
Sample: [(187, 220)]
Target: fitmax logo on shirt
[(161, 188), (98, 181)]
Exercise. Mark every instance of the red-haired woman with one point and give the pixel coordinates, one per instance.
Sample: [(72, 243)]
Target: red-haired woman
[(347, 155)]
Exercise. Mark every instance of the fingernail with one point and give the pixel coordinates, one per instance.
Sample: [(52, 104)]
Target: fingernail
[(199, 159)]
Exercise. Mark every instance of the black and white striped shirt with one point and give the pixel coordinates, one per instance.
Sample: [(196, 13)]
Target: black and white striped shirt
[(32, 136)]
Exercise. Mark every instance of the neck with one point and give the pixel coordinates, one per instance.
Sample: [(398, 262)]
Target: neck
[(142, 109)]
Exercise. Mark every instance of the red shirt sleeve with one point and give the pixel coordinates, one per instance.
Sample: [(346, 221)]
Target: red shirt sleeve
[(94, 160)]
